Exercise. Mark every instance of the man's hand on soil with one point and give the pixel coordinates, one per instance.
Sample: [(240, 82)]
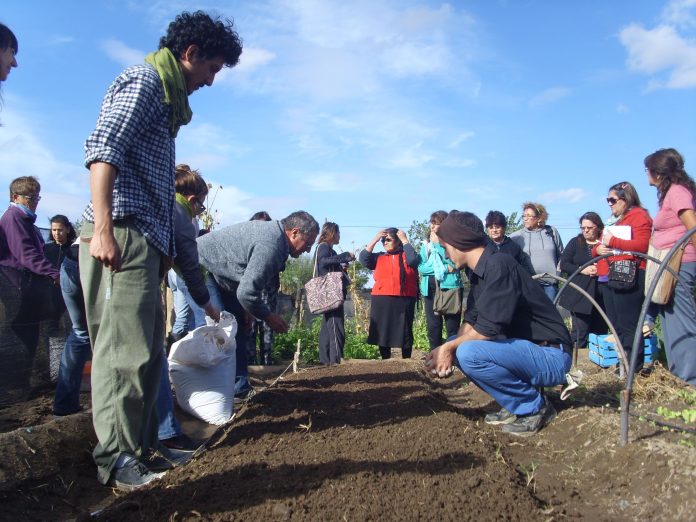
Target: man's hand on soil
[(439, 361)]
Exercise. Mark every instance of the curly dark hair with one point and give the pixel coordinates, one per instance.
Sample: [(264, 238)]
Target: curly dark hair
[(214, 37), (63, 220)]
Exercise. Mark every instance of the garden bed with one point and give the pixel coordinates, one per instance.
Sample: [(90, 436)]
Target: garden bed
[(379, 440)]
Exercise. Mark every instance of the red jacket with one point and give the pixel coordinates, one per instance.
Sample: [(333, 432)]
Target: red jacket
[(387, 275), (641, 228)]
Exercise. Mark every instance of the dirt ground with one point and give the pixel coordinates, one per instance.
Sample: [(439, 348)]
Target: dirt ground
[(375, 440)]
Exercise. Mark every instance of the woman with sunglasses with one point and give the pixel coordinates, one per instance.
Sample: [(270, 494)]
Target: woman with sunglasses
[(394, 293), (623, 304), (676, 192), (542, 243), (577, 252)]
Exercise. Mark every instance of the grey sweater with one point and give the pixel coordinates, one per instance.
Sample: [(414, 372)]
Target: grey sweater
[(544, 248), (249, 254), (186, 261)]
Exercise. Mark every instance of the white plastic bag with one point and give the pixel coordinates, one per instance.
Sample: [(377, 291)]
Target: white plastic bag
[(206, 345), (202, 368), (205, 392)]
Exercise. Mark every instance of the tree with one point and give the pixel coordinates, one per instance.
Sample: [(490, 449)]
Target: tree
[(417, 232), (514, 223)]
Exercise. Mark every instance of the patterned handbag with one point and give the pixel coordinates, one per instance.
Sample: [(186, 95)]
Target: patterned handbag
[(324, 293)]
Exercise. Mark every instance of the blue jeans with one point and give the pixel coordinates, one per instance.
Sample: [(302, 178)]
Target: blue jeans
[(512, 370), (227, 297), (679, 326), (77, 346), (550, 291), (168, 425), (184, 320)]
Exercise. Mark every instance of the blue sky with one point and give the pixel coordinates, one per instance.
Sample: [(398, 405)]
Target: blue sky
[(375, 113)]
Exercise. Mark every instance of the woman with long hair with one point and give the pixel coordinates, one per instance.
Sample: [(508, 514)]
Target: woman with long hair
[(332, 335), (393, 302), (623, 304), (63, 253), (436, 270), (676, 193), (9, 47)]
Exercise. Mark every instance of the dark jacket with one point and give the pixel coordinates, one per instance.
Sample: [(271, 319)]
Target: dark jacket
[(576, 254), (511, 248)]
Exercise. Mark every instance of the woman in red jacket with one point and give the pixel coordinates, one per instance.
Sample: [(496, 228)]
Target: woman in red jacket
[(623, 304), (394, 293)]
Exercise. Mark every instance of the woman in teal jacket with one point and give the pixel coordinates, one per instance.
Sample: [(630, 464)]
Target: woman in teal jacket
[(435, 269)]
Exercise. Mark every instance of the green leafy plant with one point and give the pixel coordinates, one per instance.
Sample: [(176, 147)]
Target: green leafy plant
[(688, 415)]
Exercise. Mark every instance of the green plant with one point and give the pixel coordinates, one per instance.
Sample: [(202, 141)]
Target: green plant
[(688, 415)]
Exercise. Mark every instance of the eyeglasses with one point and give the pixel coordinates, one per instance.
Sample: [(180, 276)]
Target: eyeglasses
[(34, 197), (201, 206), (612, 201)]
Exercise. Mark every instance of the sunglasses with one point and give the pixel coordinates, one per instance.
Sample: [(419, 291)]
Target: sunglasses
[(30, 198), (387, 240), (612, 201)]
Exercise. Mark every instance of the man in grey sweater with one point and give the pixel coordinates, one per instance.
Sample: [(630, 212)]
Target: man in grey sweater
[(241, 261)]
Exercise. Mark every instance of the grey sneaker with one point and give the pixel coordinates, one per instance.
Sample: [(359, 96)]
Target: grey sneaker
[(528, 425), (244, 396), (132, 475), (166, 458), (501, 417)]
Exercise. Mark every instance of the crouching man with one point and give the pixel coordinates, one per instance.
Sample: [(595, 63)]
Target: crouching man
[(513, 341)]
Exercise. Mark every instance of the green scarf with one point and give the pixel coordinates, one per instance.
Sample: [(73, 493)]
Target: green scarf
[(181, 200), (175, 94)]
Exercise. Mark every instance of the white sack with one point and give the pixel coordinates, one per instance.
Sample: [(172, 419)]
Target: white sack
[(206, 345), (205, 392)]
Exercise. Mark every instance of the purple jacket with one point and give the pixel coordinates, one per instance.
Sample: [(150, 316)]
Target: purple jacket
[(21, 245)]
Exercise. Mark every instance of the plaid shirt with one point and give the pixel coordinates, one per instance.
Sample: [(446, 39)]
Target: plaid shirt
[(132, 134)]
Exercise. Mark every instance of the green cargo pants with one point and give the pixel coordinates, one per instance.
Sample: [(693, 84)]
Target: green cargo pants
[(126, 325)]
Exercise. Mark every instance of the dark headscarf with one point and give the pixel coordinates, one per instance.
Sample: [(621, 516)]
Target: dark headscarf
[(398, 249), (459, 235)]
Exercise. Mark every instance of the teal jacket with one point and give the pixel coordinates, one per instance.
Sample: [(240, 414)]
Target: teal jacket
[(426, 269)]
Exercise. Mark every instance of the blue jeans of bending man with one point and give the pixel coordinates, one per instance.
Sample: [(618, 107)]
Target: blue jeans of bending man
[(168, 425), (184, 316), (512, 371), (77, 346)]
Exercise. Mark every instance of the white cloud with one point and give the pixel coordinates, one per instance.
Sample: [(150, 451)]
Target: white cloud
[(228, 204), (410, 158), (571, 195), (621, 108), (64, 186), (331, 182), (459, 163), (680, 13), (207, 147), (661, 49), (252, 58), (121, 53), (458, 140), (550, 95)]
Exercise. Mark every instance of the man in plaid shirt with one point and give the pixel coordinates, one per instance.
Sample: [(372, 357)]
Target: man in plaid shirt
[(127, 238)]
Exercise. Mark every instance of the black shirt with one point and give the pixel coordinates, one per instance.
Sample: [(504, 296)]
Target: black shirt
[(505, 302)]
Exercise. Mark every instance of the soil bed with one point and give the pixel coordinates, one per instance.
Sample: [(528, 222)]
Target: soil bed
[(372, 441)]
